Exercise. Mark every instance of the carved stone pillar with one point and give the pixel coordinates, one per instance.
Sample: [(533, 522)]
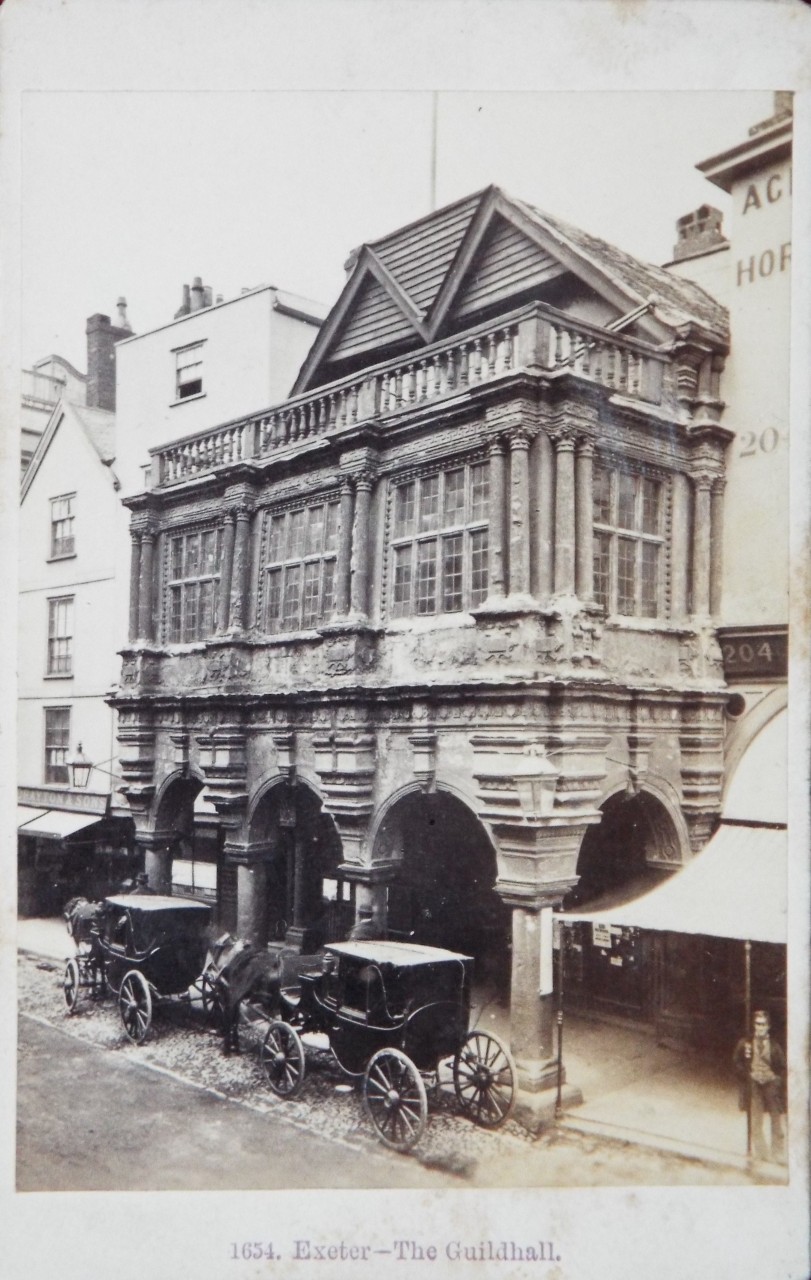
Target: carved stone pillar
[(344, 566), (681, 545), (546, 516), (532, 1016), (251, 902), (519, 514), (564, 516), (701, 546), (716, 546), (158, 866), (585, 520), (135, 574), (361, 533), (146, 603), (496, 567), (225, 571), (239, 573)]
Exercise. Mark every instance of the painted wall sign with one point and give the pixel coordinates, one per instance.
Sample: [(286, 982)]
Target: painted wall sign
[(753, 652)]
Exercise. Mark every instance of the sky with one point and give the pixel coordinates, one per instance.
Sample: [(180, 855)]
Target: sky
[(135, 193)]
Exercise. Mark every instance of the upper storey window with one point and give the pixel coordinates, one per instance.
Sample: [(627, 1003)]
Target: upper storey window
[(192, 580), (438, 546), (189, 371), (63, 541), (300, 559), (628, 543)]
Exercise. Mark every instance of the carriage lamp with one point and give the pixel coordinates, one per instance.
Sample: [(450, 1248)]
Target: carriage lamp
[(80, 769)]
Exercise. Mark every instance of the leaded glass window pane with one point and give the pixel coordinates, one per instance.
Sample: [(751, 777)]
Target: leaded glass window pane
[(426, 577), (452, 570), (626, 575)]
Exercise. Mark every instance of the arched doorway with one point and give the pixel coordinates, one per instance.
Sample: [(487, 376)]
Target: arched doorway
[(307, 902), (188, 831), (443, 892), (632, 850)]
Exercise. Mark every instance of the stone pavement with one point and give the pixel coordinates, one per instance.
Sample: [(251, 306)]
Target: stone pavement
[(634, 1089)]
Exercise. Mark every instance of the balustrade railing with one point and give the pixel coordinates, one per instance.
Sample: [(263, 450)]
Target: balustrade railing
[(537, 337)]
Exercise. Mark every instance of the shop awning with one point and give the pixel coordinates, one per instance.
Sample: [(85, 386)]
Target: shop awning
[(55, 824), (734, 888), (26, 814)]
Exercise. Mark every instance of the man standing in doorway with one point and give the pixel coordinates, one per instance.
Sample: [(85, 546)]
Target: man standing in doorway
[(761, 1067)]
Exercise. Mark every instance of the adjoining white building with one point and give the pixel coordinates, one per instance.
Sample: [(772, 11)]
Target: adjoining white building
[(88, 453)]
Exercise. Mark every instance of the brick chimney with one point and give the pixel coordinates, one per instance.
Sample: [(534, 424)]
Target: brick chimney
[(697, 232), (102, 336)]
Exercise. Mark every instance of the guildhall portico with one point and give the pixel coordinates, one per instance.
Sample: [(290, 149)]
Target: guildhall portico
[(436, 628)]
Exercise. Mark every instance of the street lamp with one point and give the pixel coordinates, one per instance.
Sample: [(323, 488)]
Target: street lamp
[(80, 769)]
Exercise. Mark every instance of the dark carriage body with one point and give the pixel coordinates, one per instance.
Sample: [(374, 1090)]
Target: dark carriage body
[(393, 1012), (145, 948), (369, 996), (165, 939)]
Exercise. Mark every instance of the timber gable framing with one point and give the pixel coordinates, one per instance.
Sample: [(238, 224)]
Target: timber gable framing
[(675, 309)]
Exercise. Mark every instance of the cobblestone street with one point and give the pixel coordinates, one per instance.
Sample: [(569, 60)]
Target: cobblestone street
[(183, 1051)]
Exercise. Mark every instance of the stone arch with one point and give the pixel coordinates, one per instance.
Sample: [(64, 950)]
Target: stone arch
[(667, 796), (296, 842), (443, 871), (744, 731), (640, 837), (173, 804)]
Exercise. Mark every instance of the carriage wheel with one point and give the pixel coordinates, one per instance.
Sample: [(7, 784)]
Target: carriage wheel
[(282, 1058), (394, 1099), (484, 1077), (211, 1000), (70, 985), (135, 1006)]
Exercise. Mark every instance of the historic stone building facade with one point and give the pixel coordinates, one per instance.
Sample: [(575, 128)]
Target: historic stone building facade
[(434, 637)]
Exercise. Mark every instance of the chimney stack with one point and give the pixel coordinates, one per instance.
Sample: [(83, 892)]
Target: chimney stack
[(101, 339), (697, 232), (122, 321), (185, 306), (197, 294)]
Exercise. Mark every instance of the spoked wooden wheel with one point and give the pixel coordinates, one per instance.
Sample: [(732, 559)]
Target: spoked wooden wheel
[(211, 1000), (70, 985), (484, 1078), (394, 1099), (282, 1058), (135, 1006)]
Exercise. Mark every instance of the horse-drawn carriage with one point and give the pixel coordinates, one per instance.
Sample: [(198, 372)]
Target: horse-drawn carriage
[(393, 1013), (144, 950)]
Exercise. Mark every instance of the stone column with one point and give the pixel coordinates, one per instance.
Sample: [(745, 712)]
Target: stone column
[(564, 516), (225, 571), (532, 1015), (681, 545), (344, 566), (158, 867), (135, 585), (239, 573), (701, 546), (496, 567), (361, 533), (716, 546), (519, 514), (299, 874), (251, 895), (585, 519), (146, 619), (546, 516)]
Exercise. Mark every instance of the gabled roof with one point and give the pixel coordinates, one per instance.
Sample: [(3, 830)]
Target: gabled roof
[(407, 288), (96, 425)]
